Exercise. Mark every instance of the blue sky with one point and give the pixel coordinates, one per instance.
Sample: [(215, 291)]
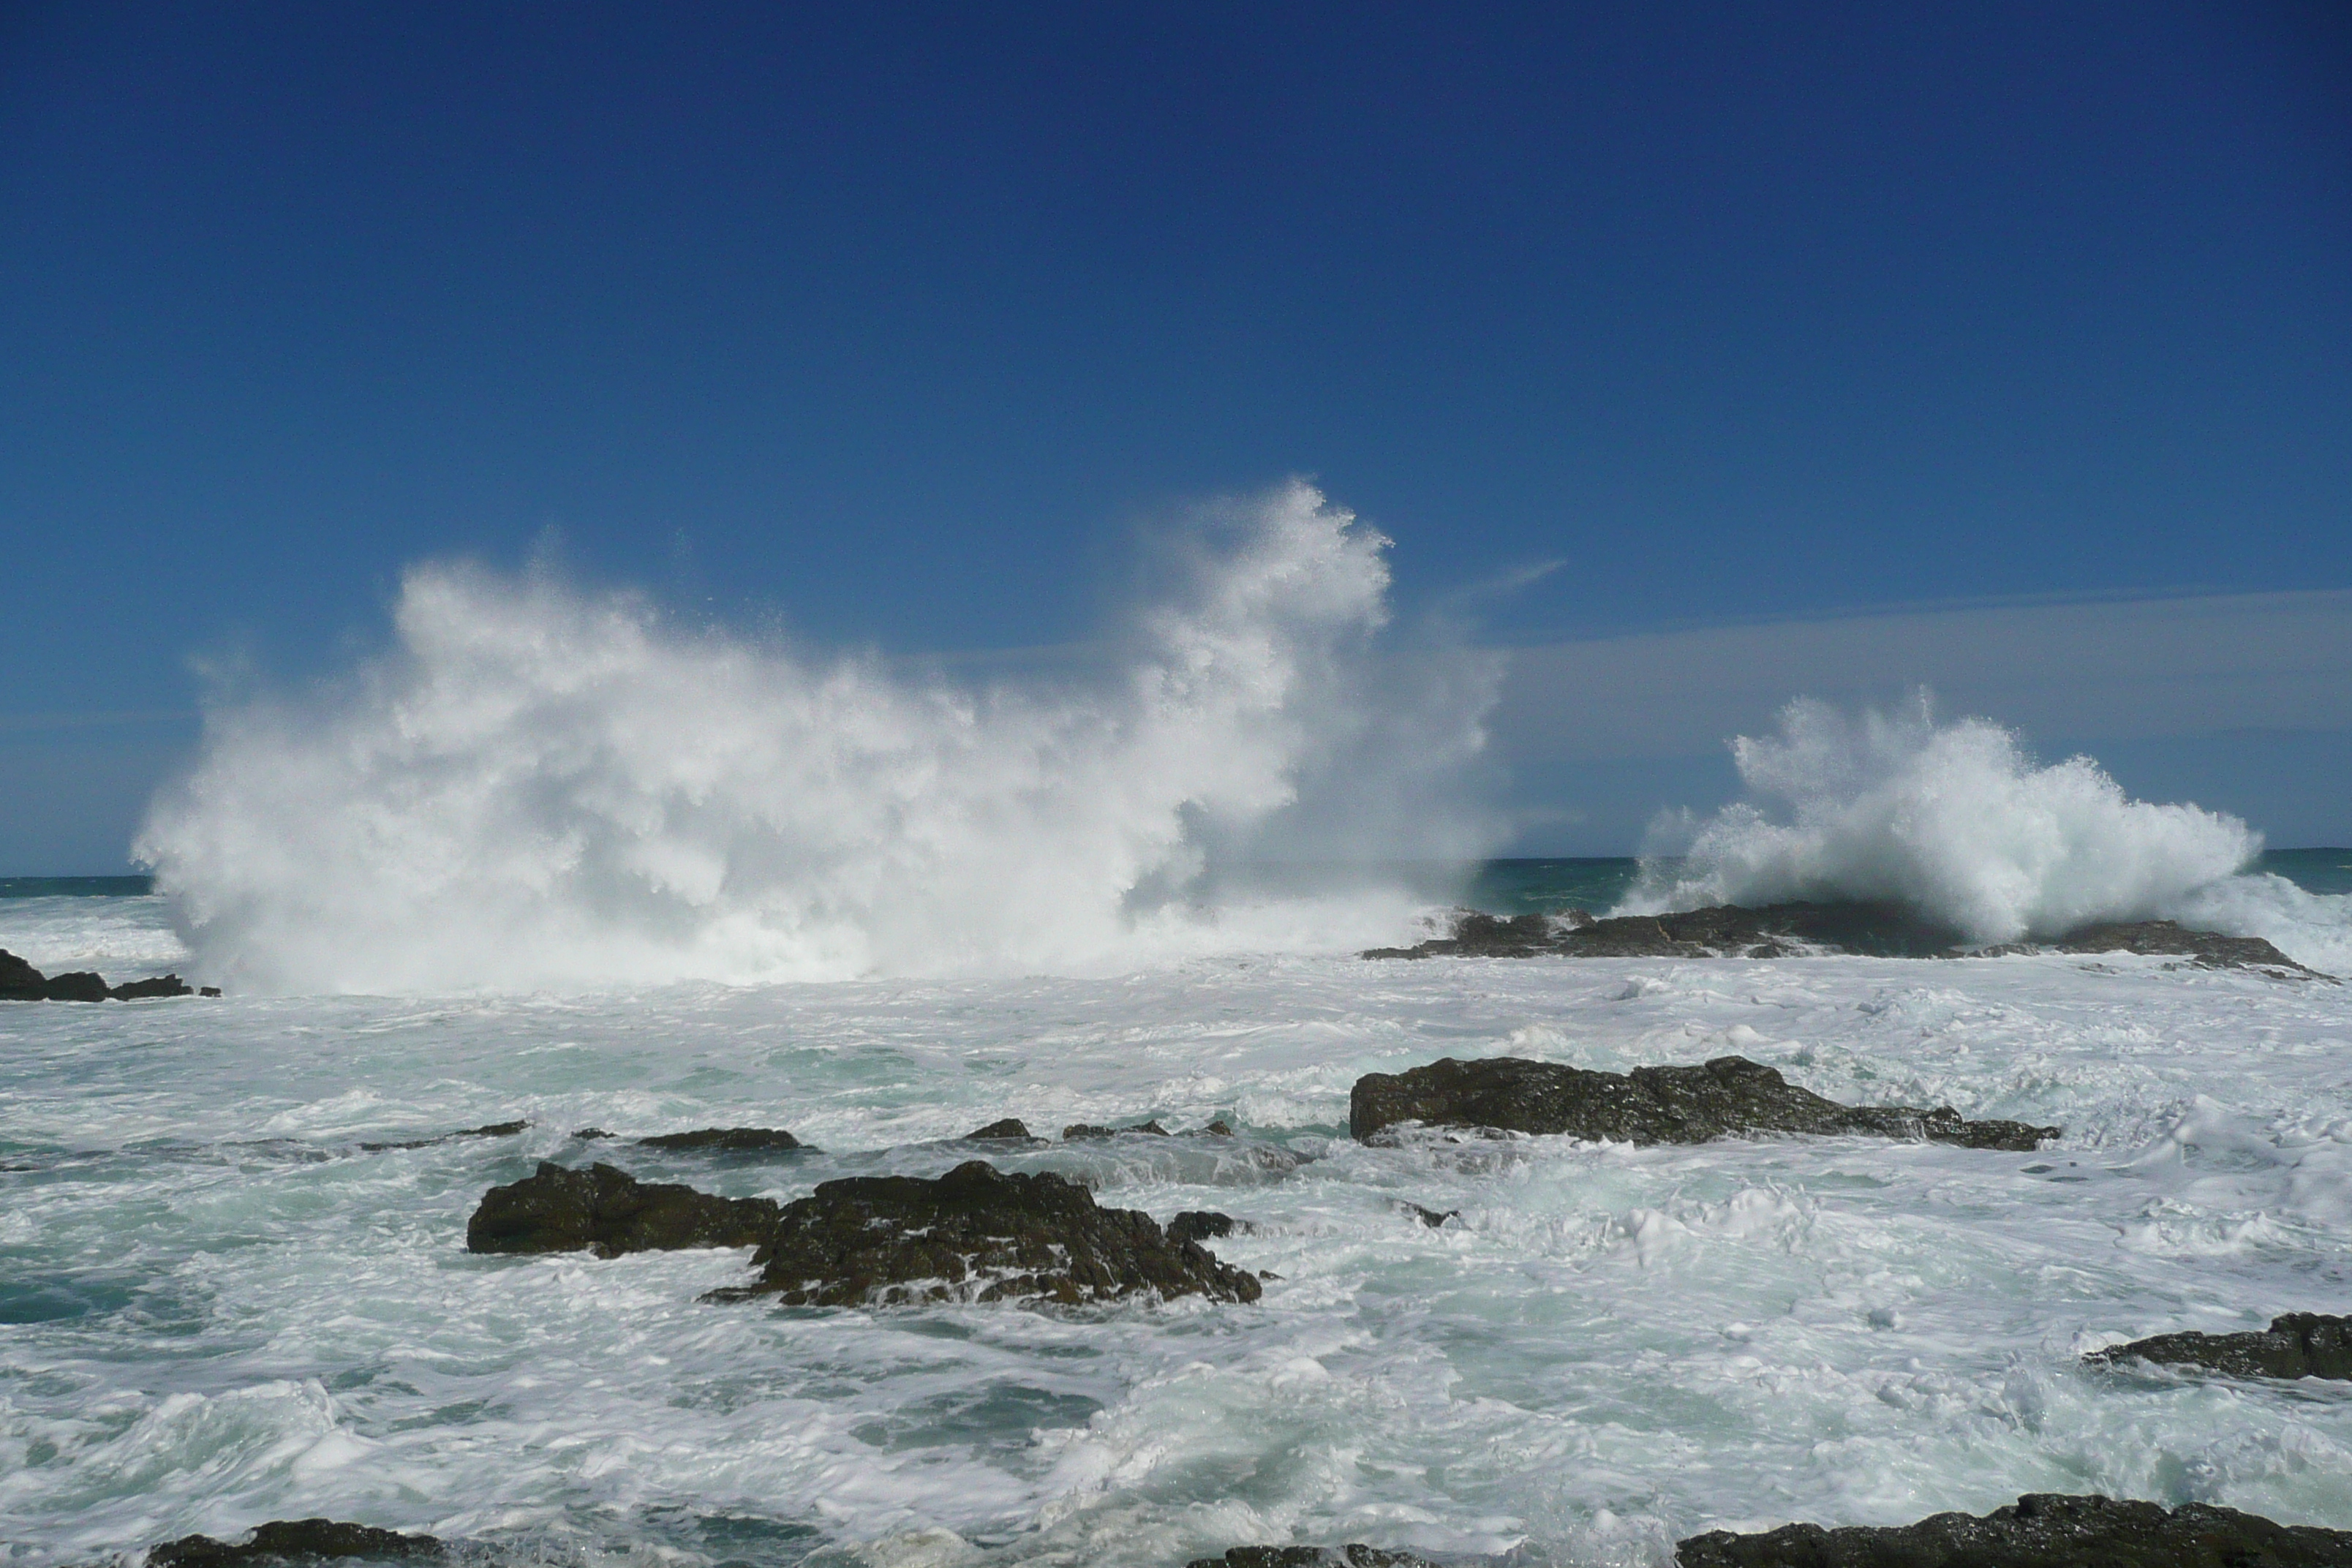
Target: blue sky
[(890, 324)]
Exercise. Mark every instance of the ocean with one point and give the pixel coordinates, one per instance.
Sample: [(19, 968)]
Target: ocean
[(548, 857), (217, 1309)]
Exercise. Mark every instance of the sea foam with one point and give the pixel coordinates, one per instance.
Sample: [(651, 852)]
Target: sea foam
[(1957, 819), (538, 786)]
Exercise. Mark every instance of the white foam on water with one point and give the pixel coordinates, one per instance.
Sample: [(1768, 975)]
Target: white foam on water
[(540, 787), (1958, 820), (219, 1310), (122, 938)]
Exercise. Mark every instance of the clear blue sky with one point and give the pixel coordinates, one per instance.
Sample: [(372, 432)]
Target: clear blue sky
[(889, 323)]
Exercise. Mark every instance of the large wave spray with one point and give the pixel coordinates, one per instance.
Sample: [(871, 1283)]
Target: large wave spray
[(1956, 819), (537, 787)]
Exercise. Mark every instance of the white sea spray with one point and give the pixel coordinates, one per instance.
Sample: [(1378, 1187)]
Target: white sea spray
[(538, 786), (1957, 819)]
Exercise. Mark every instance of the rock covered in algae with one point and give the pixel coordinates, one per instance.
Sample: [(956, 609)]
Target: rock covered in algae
[(608, 1212), (976, 1234), (2297, 1344), (2038, 1530), (1725, 1097), (296, 1541)]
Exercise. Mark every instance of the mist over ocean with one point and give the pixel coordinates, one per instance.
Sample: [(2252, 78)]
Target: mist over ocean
[(548, 860)]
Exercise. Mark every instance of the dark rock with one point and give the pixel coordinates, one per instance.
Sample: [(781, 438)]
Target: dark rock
[(491, 1130), (2300, 1344), (2038, 1531), (20, 982), (1722, 930), (1728, 1096), (1433, 1218), (82, 986), (1081, 1131), (1200, 1224), (1777, 931), (2206, 950), (296, 1539), (1012, 1130), (162, 986), (609, 1212), (589, 1134), (975, 1234), (1349, 1556), (1218, 1129), (207, 990), (729, 1141)]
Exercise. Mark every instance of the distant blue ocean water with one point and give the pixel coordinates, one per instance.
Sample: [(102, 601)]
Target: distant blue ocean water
[(1503, 887)]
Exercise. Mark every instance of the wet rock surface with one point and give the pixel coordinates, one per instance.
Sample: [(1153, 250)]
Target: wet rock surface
[(489, 1130), (1012, 1130), (1723, 931), (20, 982), (608, 1212), (1349, 1556), (2038, 1530), (2206, 950), (2298, 1345), (1725, 1097), (727, 1140), (1780, 930), (297, 1541), (1087, 1131), (975, 1234), (1200, 1224)]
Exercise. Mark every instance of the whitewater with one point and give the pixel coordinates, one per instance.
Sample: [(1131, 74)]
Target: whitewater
[(550, 858)]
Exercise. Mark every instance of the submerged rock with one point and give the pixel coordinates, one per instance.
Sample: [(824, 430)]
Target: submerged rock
[(489, 1130), (729, 1141), (296, 1539), (2299, 1344), (20, 982), (1349, 1556), (1879, 929), (1725, 1097), (1086, 1131), (609, 1212), (2038, 1531), (976, 1234)]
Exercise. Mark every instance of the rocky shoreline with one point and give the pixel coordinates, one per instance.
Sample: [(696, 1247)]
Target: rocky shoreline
[(1725, 1097), (1794, 930), (2040, 1530), (20, 982)]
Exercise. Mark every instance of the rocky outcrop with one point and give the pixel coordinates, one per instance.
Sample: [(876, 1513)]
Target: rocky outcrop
[(1200, 1224), (1349, 1556), (2205, 949), (729, 1141), (1087, 1131), (2038, 1530), (976, 1234), (296, 1541), (1726, 1097), (1012, 1130), (1779, 931), (1724, 931), (20, 982), (609, 1212), (2299, 1344), (489, 1130)]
